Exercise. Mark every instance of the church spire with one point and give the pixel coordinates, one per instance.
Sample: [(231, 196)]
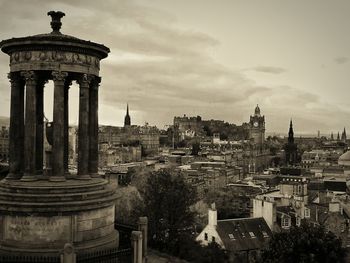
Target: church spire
[(291, 132), (127, 120), (343, 135), (338, 137)]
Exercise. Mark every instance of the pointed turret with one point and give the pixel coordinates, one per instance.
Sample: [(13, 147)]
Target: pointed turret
[(332, 136), (127, 121), (338, 137), (257, 110)]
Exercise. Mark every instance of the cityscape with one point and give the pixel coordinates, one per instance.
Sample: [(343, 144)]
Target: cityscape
[(132, 143)]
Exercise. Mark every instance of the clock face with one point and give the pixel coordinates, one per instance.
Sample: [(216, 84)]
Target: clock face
[(256, 124)]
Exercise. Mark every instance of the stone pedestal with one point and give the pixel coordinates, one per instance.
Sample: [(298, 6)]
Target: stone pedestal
[(40, 217)]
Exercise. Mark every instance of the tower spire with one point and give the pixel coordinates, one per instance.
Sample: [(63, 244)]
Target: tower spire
[(127, 120), (291, 132)]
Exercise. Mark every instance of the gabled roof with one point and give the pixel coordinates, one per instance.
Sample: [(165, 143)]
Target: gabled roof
[(244, 233)]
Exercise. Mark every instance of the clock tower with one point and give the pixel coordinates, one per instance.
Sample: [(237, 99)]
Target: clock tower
[(257, 128)]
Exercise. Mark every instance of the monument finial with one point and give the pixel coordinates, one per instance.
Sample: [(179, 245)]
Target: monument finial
[(56, 21)]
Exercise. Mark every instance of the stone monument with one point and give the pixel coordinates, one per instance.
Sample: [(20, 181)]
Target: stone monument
[(42, 209)]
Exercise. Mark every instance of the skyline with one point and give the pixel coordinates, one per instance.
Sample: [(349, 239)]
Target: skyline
[(199, 58)]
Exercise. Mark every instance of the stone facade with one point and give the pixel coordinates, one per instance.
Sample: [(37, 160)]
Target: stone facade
[(146, 136), (4, 143), (109, 156)]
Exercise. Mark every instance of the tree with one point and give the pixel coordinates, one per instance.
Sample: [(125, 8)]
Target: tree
[(126, 179), (306, 243), (167, 200), (195, 148), (192, 251)]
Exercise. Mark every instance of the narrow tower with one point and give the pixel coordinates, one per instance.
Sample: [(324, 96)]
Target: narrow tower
[(257, 128), (127, 121), (291, 148)]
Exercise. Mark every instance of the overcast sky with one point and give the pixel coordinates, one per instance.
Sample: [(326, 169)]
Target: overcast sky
[(217, 59)]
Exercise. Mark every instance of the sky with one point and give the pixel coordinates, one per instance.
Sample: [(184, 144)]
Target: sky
[(217, 59)]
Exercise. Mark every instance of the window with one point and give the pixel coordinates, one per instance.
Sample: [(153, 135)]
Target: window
[(285, 222), (213, 239), (231, 236), (206, 236), (265, 234), (300, 189), (251, 234), (307, 212), (298, 221)]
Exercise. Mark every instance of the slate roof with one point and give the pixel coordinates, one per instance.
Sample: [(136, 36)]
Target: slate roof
[(244, 233), (335, 185)]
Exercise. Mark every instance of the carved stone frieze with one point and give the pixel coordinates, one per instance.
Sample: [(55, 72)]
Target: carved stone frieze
[(54, 56)]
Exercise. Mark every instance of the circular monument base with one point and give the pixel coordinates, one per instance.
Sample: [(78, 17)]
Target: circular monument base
[(40, 217)]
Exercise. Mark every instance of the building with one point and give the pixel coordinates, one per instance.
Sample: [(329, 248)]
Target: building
[(319, 158), (73, 145), (4, 144), (185, 123), (257, 129), (284, 207), (147, 136), (291, 148), (242, 238), (112, 155)]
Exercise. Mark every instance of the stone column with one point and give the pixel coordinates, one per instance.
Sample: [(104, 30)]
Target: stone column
[(30, 126), (39, 127), (58, 127), (93, 127), (136, 239), (68, 255), (16, 136), (66, 125), (83, 132), (143, 227)]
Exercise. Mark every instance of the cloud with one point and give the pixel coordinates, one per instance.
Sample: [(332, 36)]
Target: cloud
[(341, 60), (160, 68), (267, 69)]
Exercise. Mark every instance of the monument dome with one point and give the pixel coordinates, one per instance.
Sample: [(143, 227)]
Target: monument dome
[(344, 159)]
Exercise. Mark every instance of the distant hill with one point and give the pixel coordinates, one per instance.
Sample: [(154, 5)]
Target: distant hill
[(4, 121)]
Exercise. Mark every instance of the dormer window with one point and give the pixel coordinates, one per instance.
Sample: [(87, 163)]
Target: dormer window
[(206, 236), (252, 235), (265, 234)]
